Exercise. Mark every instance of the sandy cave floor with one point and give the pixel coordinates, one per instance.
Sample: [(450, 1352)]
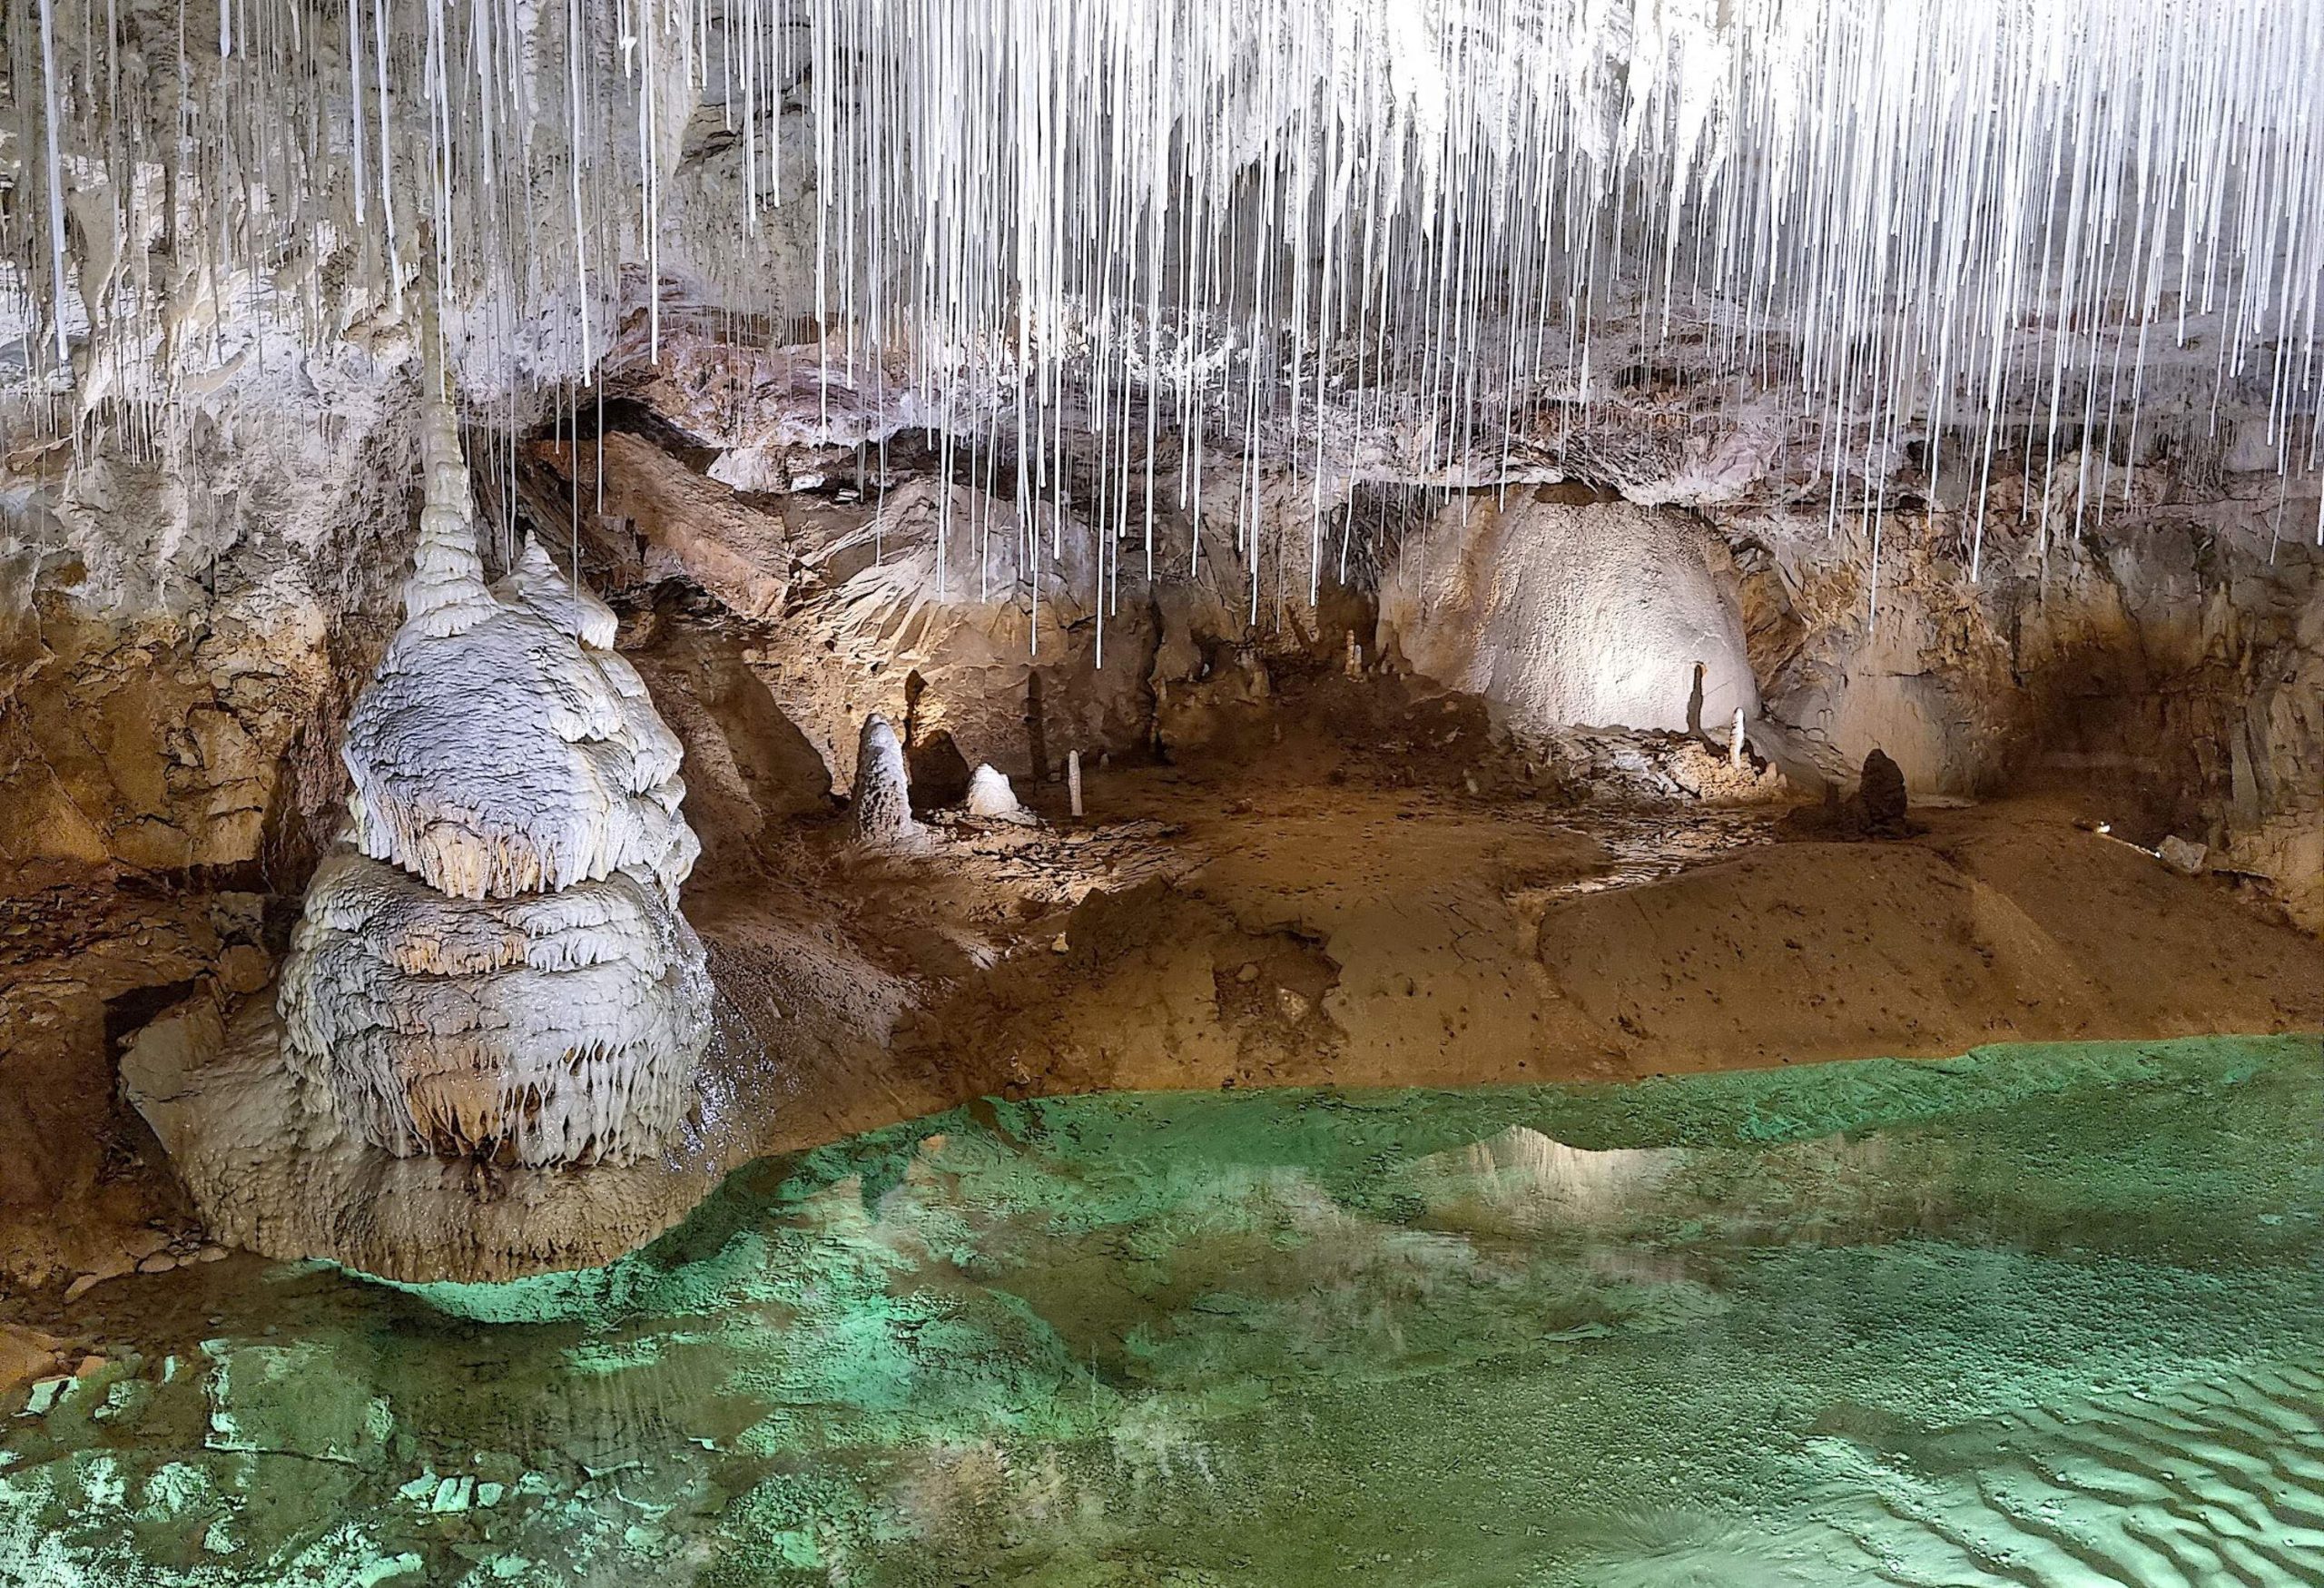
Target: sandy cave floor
[(1288, 919), (1286, 929)]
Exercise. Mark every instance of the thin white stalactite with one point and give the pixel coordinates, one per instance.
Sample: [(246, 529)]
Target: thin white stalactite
[(55, 175)]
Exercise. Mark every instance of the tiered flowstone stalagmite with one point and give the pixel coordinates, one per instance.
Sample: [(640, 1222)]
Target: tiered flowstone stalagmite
[(492, 964)]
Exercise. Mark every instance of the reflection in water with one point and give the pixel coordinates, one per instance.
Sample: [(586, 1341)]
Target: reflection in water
[(2035, 1316)]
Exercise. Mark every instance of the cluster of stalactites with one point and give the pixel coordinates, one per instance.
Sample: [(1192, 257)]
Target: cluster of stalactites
[(1380, 226)]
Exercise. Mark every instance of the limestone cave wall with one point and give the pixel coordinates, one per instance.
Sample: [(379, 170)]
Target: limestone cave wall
[(180, 636)]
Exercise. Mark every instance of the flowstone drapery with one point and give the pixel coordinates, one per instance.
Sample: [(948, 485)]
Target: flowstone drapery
[(492, 965)]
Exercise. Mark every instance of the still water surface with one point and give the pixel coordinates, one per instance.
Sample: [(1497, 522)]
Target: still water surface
[(2034, 1317)]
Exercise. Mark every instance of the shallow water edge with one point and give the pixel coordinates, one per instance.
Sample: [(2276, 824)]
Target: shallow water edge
[(2042, 1314)]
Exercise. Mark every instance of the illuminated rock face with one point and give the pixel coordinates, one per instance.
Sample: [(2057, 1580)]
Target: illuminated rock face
[(495, 967), (1596, 614)]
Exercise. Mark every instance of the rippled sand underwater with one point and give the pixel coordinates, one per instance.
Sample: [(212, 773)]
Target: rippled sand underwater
[(2037, 1315)]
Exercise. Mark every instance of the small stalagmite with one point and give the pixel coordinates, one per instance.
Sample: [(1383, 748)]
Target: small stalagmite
[(1882, 790), (991, 796)]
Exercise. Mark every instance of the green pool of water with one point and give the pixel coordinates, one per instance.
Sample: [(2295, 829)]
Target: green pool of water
[(2037, 1315)]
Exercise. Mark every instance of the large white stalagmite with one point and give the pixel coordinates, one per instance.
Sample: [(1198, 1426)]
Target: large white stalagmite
[(502, 745), (494, 966), (882, 797)]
